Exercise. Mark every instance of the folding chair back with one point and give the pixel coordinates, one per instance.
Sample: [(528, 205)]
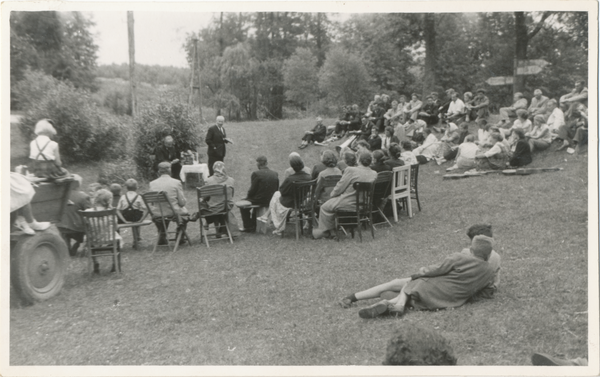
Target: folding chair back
[(381, 191), (161, 211), (100, 234), (414, 180), (401, 189), (363, 213), (304, 204), (205, 192)]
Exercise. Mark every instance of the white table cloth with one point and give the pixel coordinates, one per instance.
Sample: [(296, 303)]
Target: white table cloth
[(198, 168)]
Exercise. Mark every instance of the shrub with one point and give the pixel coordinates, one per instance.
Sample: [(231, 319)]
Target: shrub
[(118, 171), (85, 132), (32, 89), (153, 124), (118, 101)]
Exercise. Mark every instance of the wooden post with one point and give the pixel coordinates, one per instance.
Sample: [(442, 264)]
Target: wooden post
[(132, 84), (195, 83)]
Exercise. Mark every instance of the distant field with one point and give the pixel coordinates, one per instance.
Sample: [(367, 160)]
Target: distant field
[(271, 301)]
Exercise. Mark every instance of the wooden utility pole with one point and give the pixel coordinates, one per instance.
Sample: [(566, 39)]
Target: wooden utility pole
[(195, 83), (132, 85)]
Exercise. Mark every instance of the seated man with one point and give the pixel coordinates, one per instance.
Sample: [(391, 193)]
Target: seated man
[(556, 117), (450, 284), (479, 105), (174, 190), (538, 104), (579, 95), (506, 113), (343, 196), (567, 131), (71, 224), (413, 345), (456, 108), (316, 135), (429, 112), (263, 184), (413, 108), (166, 152)]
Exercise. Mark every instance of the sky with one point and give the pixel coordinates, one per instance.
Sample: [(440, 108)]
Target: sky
[(159, 36)]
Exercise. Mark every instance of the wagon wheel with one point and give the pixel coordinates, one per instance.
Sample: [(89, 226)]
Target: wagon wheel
[(39, 265)]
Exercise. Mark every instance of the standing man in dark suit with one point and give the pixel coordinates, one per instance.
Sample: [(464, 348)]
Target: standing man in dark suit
[(216, 139), (166, 152), (264, 183)]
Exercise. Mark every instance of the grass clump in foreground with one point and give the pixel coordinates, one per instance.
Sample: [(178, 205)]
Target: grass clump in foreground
[(271, 301)]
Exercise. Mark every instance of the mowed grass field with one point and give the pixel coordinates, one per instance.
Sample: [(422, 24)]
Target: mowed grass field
[(266, 300)]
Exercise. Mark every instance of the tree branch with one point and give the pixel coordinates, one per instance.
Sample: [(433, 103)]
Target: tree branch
[(539, 25)]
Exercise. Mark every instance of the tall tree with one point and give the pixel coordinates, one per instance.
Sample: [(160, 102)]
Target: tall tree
[(344, 78), (300, 77), (522, 37)]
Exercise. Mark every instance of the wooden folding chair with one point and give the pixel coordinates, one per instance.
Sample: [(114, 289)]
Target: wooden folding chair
[(414, 180), (100, 234), (161, 210), (363, 213), (304, 204), (381, 193), (401, 189), (208, 191)]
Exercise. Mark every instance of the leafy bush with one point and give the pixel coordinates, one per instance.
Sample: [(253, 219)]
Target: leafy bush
[(118, 171), (85, 131), (153, 124), (31, 89), (118, 101)]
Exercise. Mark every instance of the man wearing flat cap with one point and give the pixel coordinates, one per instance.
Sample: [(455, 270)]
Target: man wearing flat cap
[(264, 183), (538, 104), (479, 106), (216, 138)]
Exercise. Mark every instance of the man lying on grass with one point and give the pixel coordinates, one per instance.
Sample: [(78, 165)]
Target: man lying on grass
[(470, 274)]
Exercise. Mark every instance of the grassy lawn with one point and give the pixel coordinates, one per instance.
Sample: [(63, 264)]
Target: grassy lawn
[(271, 301)]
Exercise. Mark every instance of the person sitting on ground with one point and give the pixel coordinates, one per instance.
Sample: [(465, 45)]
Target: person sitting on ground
[(348, 159), (102, 202), (443, 109), (365, 130), (478, 106), (414, 345), (378, 163), (538, 104), (407, 155), (388, 139), (350, 121), (429, 112), (71, 225), (374, 140), (21, 194), (568, 131), (483, 133), (394, 115), (394, 156), (463, 132), (386, 102), (469, 114), (330, 161), (413, 130), (581, 135), (377, 116), (539, 137), (506, 113), (371, 107), (414, 107), (449, 284), (341, 126), (264, 182), (465, 155), (556, 117), (115, 189), (496, 157), (216, 203), (456, 108), (429, 147), (402, 105), (44, 152), (522, 122), (131, 207), (579, 95), (174, 192), (522, 154), (289, 171), (316, 135), (343, 195), (449, 140), (283, 200)]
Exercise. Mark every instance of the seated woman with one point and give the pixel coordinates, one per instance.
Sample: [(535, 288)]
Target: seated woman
[(343, 196), (21, 193), (103, 201), (388, 138), (283, 200), (413, 108), (465, 157), (521, 122), (483, 132), (463, 132), (216, 203), (394, 156), (316, 135), (522, 153), (290, 171), (44, 152), (394, 115), (567, 131), (348, 159), (378, 163), (496, 157), (449, 284), (407, 155), (429, 146), (540, 136), (330, 161)]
